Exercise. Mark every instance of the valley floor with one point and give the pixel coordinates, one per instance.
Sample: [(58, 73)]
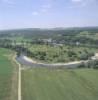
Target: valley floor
[(45, 83)]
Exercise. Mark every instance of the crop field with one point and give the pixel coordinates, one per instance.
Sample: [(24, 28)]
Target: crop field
[(8, 78), (46, 84)]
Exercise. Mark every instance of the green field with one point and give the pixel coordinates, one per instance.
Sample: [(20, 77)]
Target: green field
[(46, 84), (8, 76)]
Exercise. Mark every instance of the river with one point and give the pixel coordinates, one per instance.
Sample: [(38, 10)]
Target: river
[(24, 60)]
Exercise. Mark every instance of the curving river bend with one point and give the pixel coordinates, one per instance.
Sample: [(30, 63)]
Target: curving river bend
[(24, 60)]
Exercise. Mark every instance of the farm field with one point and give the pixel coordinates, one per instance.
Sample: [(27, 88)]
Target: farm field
[(48, 84), (8, 76)]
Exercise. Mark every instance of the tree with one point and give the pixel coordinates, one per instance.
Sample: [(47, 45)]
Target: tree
[(84, 56)]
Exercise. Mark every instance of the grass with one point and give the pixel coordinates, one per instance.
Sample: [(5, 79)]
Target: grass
[(46, 84), (8, 76)]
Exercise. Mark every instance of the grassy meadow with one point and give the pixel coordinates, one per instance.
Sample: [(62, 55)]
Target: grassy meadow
[(8, 76), (46, 84)]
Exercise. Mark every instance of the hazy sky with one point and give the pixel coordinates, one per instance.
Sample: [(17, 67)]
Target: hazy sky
[(48, 13)]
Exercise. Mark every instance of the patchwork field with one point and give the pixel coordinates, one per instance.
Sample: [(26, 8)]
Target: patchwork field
[(45, 84), (8, 76)]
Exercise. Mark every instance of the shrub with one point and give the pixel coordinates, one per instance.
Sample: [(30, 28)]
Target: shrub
[(82, 65), (84, 56)]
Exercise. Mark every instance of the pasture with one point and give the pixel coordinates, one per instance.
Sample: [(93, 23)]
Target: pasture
[(8, 76), (46, 84)]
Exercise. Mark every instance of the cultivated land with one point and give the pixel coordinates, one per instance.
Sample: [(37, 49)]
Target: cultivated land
[(8, 76), (46, 84)]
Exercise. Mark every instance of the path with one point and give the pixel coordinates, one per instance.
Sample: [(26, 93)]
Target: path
[(19, 83), (19, 78)]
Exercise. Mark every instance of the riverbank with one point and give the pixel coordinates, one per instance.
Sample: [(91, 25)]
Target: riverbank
[(24, 60)]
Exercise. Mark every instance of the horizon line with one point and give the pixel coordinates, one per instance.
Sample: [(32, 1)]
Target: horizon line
[(46, 28)]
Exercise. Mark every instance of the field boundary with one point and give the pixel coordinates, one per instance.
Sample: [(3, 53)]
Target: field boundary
[(14, 78), (19, 77)]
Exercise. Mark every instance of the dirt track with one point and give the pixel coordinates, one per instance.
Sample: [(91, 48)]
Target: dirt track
[(19, 78)]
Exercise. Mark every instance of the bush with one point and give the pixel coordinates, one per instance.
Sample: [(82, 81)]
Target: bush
[(96, 67), (18, 54), (84, 56), (71, 53), (82, 65)]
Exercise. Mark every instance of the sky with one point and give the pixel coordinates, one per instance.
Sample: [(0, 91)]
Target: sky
[(48, 13)]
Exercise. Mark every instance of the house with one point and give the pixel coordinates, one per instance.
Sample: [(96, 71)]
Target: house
[(47, 40), (57, 45)]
